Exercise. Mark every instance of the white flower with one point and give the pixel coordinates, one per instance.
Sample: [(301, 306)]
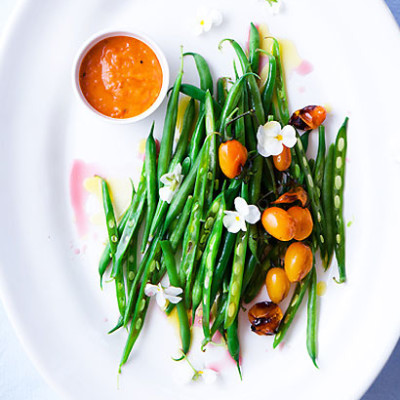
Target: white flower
[(171, 183), (205, 19), (162, 294), (235, 221), (271, 138)]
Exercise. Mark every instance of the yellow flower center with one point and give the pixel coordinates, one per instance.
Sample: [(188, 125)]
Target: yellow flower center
[(237, 218), (279, 137), (202, 22)]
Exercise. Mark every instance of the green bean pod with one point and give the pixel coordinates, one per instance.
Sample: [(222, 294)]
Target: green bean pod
[(233, 343), (176, 235), (112, 231), (132, 223), (184, 327), (150, 162), (294, 305), (318, 170), (253, 87), (280, 87), (235, 286), (222, 263), (206, 81), (316, 209), (257, 281), (181, 150), (167, 139), (221, 91), (131, 264), (254, 44), (268, 90), (209, 258), (312, 319), (197, 138), (327, 203), (107, 255), (249, 271), (198, 94), (338, 187)]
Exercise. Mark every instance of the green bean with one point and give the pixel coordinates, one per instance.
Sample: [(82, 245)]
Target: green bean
[(312, 318), (235, 286), (222, 264), (233, 343), (249, 271), (184, 327), (106, 256), (268, 90), (113, 238), (280, 87), (212, 159), (198, 94), (150, 162), (305, 140), (294, 305), (181, 149), (231, 101), (148, 258), (209, 257), (167, 139), (254, 91), (316, 209), (254, 44), (318, 170), (197, 290), (256, 281), (177, 233), (197, 138), (186, 188), (221, 91), (206, 81), (131, 224), (131, 264), (338, 187), (327, 202)]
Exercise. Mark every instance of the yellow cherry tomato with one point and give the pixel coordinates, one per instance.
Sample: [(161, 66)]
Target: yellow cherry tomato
[(298, 261), (303, 220), (279, 223), (283, 160), (232, 158), (277, 284)]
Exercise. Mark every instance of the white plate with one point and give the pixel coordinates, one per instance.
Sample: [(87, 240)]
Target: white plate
[(51, 292)]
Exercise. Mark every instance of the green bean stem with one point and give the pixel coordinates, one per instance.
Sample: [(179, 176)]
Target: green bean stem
[(254, 44), (233, 343), (206, 81)]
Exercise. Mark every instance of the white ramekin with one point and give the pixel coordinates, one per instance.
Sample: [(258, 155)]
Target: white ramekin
[(92, 41)]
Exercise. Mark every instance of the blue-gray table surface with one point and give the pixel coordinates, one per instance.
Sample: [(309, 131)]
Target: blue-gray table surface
[(25, 383)]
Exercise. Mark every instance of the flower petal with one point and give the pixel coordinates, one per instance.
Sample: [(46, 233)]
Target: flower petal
[(289, 136), (173, 291), (272, 129), (274, 147), (173, 299), (254, 215), (150, 290), (231, 221), (241, 206), (166, 194), (160, 299)]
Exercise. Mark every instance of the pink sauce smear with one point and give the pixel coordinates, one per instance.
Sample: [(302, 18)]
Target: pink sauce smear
[(304, 68), (79, 172)]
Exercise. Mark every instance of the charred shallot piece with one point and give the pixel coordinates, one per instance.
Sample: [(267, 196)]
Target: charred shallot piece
[(297, 193), (307, 118), (265, 318)]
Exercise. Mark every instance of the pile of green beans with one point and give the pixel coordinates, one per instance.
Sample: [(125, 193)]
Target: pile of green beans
[(217, 271)]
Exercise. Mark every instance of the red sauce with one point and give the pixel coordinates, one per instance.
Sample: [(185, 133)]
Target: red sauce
[(120, 77)]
